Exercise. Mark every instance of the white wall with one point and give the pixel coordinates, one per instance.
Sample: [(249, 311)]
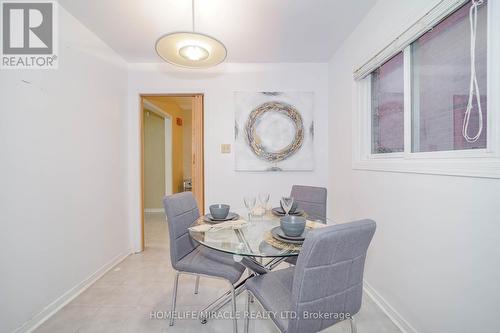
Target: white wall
[(222, 183), (434, 255), (62, 175)]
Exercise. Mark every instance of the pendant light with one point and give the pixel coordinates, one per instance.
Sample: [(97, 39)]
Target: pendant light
[(190, 49)]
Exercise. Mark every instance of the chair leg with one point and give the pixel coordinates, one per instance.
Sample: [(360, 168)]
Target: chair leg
[(197, 285), (246, 324), (250, 296), (353, 325), (174, 298), (233, 301)]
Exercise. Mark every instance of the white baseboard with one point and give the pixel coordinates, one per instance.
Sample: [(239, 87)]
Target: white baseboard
[(393, 315), (153, 210), (69, 295)]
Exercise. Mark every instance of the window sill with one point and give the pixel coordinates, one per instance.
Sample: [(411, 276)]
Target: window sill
[(474, 167)]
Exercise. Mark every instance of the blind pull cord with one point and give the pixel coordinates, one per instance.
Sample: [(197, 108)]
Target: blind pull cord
[(473, 86)]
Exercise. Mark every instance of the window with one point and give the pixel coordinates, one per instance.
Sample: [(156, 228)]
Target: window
[(440, 84), (414, 110), (387, 104), (439, 65)]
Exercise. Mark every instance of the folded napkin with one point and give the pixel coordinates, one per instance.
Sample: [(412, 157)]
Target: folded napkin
[(201, 228), (205, 227), (314, 225)]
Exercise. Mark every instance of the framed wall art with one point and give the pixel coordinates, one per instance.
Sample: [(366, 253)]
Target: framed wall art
[(274, 131)]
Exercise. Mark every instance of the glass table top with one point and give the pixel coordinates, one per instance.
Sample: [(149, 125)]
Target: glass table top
[(248, 238)]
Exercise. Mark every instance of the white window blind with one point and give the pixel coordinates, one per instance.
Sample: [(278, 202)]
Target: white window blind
[(424, 24)]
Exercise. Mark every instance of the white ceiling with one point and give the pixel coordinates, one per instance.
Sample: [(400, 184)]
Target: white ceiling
[(252, 30)]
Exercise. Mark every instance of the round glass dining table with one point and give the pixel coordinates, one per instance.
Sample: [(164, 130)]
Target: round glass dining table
[(250, 241), (251, 238)]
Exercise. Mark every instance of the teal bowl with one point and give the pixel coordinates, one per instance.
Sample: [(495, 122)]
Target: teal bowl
[(219, 211), (293, 226)]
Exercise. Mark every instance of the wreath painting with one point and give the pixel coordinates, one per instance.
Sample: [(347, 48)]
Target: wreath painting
[(274, 131)]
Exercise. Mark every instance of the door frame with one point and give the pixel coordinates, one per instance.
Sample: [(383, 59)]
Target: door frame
[(168, 156), (197, 150)]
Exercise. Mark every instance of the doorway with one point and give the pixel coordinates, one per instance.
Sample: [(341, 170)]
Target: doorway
[(171, 155)]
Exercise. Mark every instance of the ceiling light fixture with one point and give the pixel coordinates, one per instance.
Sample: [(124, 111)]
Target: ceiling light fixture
[(190, 49)]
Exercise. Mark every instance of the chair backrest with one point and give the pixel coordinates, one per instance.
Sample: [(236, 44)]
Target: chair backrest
[(311, 199), (181, 211), (328, 276)]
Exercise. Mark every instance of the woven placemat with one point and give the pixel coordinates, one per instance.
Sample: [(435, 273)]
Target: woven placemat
[(269, 239)]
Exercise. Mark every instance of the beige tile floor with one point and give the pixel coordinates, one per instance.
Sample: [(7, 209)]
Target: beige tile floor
[(123, 299)]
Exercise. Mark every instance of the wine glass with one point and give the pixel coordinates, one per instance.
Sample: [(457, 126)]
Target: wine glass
[(249, 204), (264, 199), (287, 203)]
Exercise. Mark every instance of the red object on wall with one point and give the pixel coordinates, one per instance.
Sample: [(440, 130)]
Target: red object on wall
[(178, 121)]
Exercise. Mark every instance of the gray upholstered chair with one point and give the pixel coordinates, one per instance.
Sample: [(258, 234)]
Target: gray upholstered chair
[(187, 256), (333, 258), (311, 199)]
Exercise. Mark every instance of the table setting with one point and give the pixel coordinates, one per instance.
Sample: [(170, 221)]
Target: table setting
[(273, 233)]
